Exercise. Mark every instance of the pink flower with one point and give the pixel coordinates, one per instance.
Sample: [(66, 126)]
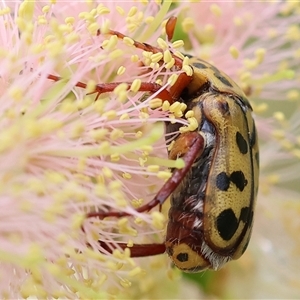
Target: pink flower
[(63, 154)]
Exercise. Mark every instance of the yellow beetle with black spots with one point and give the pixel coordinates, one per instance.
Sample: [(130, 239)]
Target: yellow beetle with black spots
[(213, 196), (211, 214)]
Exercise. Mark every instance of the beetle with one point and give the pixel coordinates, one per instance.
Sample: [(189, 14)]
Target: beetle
[(213, 196)]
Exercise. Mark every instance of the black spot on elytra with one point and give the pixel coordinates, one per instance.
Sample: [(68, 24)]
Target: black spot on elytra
[(223, 79), (245, 215), (183, 257), (227, 224), (238, 178), (241, 143), (222, 181), (199, 65)]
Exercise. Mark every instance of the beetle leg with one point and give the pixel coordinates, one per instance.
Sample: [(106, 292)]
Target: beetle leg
[(189, 145), (137, 250), (109, 87)]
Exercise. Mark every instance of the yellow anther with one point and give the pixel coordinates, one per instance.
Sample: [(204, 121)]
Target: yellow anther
[(162, 44), (178, 44), (128, 41), (155, 103), (156, 57), (234, 52), (216, 10)]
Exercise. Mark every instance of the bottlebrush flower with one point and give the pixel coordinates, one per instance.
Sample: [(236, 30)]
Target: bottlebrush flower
[(63, 154), (257, 44)]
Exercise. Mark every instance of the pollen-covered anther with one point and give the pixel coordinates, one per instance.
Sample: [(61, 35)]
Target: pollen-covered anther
[(125, 228), (143, 115), (193, 124), (179, 54), (279, 134), (155, 103), (124, 116), (133, 10), (126, 175), (166, 105), (137, 202), (158, 220), (110, 44), (154, 66), (189, 114), (187, 24), (172, 79), (130, 243), (128, 41), (188, 70), (245, 76), (139, 221), (153, 168), (260, 55), (115, 157), (170, 64), (167, 56), (158, 81), (183, 106), (162, 44), (216, 10), (125, 283), (136, 271), (136, 85), (116, 54), (147, 58), (170, 146), (172, 118), (175, 108), (134, 58), (93, 28), (234, 52), (110, 115), (121, 92), (293, 33), (293, 94), (90, 87), (178, 44), (279, 116), (116, 133), (164, 175), (115, 185), (101, 9), (121, 70), (147, 149), (107, 172), (99, 134), (156, 57), (113, 266)]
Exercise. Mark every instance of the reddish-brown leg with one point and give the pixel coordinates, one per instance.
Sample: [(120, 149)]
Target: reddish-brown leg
[(137, 250), (191, 146), (109, 87)]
